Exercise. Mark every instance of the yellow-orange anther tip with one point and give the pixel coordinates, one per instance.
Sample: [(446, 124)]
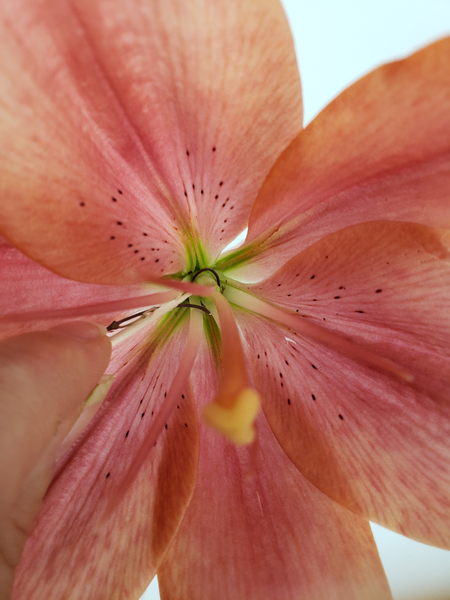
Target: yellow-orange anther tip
[(236, 423)]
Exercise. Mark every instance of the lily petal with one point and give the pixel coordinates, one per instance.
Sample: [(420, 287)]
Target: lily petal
[(275, 535), (381, 150), (76, 539), (113, 112), (28, 287), (375, 444)]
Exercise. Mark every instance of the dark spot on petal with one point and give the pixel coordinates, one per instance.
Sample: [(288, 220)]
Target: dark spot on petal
[(120, 191), (378, 291), (114, 199), (113, 237), (136, 251), (107, 475), (336, 297), (341, 417), (119, 222), (143, 258), (166, 426), (127, 433), (201, 191), (216, 196), (288, 401), (313, 366), (145, 234), (187, 152), (313, 397), (156, 260), (221, 183), (130, 245), (214, 149), (143, 415), (82, 204), (359, 311), (312, 276), (185, 424)]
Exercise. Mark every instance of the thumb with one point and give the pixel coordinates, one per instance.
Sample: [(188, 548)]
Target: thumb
[(45, 378)]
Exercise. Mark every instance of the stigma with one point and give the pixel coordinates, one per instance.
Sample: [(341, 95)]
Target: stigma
[(235, 421)]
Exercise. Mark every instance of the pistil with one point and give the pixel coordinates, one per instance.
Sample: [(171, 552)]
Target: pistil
[(237, 404)]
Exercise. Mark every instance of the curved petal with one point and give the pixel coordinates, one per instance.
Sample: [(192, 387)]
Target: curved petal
[(257, 529), (76, 539), (26, 287), (114, 112), (381, 150), (375, 444)]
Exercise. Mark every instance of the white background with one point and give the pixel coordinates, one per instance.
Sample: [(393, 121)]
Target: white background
[(338, 41)]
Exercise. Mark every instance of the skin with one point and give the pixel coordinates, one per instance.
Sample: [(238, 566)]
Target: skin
[(45, 378)]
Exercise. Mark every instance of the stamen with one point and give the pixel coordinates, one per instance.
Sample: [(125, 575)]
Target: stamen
[(119, 324), (95, 309), (198, 306), (315, 332), (211, 271), (146, 319), (185, 286)]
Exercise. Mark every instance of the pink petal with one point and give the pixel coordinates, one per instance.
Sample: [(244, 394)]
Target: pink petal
[(27, 286), (375, 444), (265, 533), (381, 150), (115, 110), (77, 546)]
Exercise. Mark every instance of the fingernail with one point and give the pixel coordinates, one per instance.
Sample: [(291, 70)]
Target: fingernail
[(81, 330), (91, 406), (100, 391)]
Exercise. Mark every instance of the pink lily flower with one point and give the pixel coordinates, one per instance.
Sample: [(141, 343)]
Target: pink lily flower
[(138, 139)]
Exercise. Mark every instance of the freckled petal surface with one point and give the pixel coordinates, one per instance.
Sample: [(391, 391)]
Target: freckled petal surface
[(264, 532), (372, 442), (381, 150), (76, 550), (111, 111), (27, 287)]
